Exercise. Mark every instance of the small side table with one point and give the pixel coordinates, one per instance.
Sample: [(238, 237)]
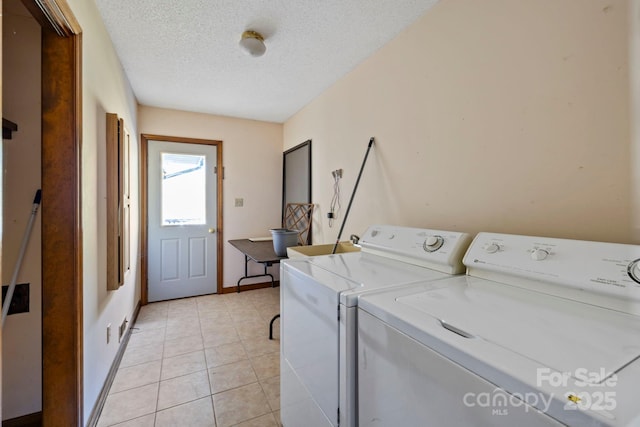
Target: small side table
[(261, 252)]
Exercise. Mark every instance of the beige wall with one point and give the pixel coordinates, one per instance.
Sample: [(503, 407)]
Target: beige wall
[(22, 349), (252, 158), (634, 80), (105, 89), (496, 115), (1, 207)]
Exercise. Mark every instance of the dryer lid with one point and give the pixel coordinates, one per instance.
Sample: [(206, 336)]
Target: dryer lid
[(557, 333)]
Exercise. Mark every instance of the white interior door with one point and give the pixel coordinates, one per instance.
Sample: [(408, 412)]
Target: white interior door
[(182, 219)]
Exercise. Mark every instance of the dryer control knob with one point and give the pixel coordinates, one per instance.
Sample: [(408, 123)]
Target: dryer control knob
[(539, 254), (633, 270), (432, 243), (491, 248)]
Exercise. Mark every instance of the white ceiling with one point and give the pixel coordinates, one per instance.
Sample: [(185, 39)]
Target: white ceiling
[(184, 54)]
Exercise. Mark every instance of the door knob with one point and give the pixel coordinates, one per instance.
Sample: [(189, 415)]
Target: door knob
[(212, 230)]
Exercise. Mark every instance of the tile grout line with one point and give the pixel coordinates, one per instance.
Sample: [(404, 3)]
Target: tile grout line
[(206, 365), (164, 339)]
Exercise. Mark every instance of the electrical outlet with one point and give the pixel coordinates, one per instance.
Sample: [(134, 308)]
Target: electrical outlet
[(122, 329), (108, 333), (239, 203)]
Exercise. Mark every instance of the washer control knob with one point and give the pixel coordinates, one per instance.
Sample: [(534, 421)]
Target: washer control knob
[(432, 243), (539, 254), (491, 248), (633, 270)]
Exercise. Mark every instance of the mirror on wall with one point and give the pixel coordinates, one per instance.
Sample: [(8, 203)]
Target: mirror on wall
[(296, 176)]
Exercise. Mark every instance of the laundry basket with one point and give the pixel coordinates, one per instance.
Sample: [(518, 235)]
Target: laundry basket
[(282, 239)]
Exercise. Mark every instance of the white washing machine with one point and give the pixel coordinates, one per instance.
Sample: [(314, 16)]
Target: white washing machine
[(318, 300), (540, 332)]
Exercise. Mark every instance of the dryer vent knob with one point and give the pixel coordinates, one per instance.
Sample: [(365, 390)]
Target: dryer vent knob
[(633, 269), (432, 243), (539, 254), (492, 248)]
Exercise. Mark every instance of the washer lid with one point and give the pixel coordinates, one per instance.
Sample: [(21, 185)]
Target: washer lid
[(372, 272), (557, 333)]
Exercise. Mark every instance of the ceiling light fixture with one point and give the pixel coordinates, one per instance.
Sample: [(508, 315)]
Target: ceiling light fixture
[(252, 43)]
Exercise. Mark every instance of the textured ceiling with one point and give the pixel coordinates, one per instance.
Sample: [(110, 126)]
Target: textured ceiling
[(184, 54)]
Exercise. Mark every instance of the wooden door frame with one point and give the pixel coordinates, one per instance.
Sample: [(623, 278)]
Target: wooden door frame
[(62, 331), (144, 208)]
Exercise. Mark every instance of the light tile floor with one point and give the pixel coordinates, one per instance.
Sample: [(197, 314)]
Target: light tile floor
[(202, 361)]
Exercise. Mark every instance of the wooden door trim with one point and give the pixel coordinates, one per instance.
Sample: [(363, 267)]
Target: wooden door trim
[(62, 303), (144, 208), (55, 16)]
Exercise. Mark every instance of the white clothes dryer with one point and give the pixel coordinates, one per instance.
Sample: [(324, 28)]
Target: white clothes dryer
[(540, 332), (318, 301)]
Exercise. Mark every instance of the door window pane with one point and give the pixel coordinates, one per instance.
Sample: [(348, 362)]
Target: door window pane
[(183, 189)]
